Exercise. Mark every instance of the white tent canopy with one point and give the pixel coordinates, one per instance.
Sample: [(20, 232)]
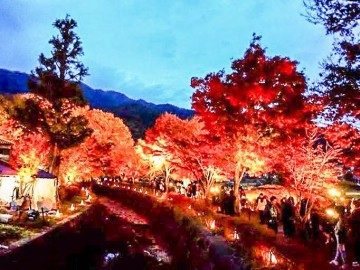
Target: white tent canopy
[(42, 190)]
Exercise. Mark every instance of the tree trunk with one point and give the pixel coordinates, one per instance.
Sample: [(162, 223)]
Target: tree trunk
[(208, 195), (239, 173), (209, 182), (54, 161), (57, 195), (167, 176)]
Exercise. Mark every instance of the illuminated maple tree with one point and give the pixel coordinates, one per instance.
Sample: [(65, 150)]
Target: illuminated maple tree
[(149, 165), (192, 148), (310, 164), (29, 151), (109, 151), (347, 137), (260, 102), (266, 92), (156, 157), (55, 88)]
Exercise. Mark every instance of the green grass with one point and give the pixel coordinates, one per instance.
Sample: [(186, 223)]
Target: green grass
[(11, 233)]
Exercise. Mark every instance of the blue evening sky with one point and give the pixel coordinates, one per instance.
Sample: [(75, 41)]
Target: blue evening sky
[(150, 49)]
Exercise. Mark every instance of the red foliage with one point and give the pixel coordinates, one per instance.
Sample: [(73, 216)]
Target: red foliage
[(266, 92), (108, 151), (348, 138), (30, 149), (189, 148)]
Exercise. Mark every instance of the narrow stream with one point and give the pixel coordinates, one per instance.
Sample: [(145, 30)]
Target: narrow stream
[(129, 243), (112, 238)]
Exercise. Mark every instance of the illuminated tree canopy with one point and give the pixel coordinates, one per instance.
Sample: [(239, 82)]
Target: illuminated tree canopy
[(266, 92), (109, 151), (55, 93)]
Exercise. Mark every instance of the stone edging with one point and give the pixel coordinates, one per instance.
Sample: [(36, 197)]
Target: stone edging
[(24, 241)]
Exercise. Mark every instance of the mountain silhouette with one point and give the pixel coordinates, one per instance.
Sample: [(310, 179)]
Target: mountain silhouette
[(138, 115)]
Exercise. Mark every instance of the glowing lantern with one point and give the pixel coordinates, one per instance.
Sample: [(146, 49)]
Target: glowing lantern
[(236, 235), (268, 255), (210, 223), (57, 215), (272, 257), (214, 190), (82, 203), (89, 199), (189, 207), (331, 213), (146, 192), (72, 207), (128, 187), (334, 192), (82, 189)]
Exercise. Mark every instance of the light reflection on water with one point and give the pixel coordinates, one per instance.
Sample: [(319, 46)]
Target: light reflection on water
[(138, 246), (158, 253)]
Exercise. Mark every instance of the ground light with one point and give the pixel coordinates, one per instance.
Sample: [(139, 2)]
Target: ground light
[(332, 213), (210, 223), (333, 192), (236, 235), (214, 190)]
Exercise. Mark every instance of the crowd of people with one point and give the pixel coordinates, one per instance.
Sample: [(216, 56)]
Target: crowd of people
[(293, 217), (192, 190), (342, 228)]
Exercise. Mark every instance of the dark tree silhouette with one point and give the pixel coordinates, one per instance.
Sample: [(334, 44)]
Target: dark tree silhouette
[(341, 71), (58, 76), (55, 92)]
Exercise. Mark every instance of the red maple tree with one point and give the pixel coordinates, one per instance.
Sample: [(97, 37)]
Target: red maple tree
[(29, 151), (192, 148), (260, 102), (109, 151)]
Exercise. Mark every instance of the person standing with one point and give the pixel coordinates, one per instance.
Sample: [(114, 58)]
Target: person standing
[(340, 236), (242, 203), (231, 203), (315, 224), (288, 217), (273, 222), (261, 204), (222, 196), (354, 223)]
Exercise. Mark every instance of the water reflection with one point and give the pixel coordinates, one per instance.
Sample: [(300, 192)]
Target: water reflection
[(131, 246)]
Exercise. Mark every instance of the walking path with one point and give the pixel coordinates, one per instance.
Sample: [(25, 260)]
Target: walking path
[(304, 254)]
